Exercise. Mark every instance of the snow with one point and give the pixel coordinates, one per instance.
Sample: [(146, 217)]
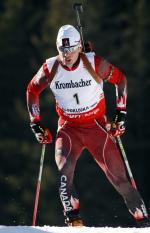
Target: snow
[(46, 229)]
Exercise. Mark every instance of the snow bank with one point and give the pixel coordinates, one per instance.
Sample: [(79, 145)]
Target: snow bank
[(48, 229)]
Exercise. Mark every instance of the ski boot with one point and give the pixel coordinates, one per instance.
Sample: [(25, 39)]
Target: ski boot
[(73, 218)]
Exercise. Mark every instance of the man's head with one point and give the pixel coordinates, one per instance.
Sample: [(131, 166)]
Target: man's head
[(68, 44)]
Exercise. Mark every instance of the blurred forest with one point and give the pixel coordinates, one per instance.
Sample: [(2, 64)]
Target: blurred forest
[(119, 31)]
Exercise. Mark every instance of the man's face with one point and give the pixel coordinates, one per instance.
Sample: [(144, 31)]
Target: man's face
[(69, 57)]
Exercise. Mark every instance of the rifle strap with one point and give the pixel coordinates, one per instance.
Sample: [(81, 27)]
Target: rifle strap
[(89, 68), (86, 63)]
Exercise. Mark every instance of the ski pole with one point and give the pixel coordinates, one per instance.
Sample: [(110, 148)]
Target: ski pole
[(126, 162), (79, 9), (38, 185)]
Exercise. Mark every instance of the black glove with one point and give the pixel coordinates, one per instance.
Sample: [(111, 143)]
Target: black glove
[(42, 134), (118, 126)]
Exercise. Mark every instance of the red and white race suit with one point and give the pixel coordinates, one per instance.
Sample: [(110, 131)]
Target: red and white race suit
[(80, 103)]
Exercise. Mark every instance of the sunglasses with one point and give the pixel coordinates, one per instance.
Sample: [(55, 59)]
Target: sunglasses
[(70, 49)]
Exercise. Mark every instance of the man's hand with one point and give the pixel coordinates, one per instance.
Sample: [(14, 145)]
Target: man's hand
[(42, 134), (118, 126)]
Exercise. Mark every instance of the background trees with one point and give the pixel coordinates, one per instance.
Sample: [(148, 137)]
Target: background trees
[(119, 31)]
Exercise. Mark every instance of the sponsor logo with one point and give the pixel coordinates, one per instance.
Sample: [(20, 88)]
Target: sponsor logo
[(63, 194), (72, 84), (79, 110), (78, 116), (76, 110)]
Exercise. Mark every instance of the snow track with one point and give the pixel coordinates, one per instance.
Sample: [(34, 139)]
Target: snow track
[(48, 229)]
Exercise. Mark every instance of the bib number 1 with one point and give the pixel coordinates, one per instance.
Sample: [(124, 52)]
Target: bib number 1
[(76, 97)]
